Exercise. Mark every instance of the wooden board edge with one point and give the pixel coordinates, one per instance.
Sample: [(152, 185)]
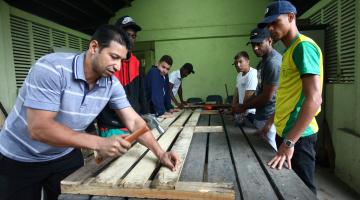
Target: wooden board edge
[(184, 190)]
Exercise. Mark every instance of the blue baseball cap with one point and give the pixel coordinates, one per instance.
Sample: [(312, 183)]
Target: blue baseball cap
[(274, 10), (258, 35)]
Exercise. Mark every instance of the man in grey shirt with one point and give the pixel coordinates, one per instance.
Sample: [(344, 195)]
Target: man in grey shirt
[(268, 75), (61, 96)]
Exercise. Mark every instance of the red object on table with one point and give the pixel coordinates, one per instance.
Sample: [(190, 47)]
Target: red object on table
[(208, 107)]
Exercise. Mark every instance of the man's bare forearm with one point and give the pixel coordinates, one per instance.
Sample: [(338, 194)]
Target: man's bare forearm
[(51, 132)]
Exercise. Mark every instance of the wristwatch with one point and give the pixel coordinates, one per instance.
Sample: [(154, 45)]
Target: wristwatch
[(289, 143)]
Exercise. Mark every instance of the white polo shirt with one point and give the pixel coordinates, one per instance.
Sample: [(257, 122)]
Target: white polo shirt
[(175, 78), (247, 82)]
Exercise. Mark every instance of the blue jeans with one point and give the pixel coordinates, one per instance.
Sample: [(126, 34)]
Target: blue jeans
[(303, 160)]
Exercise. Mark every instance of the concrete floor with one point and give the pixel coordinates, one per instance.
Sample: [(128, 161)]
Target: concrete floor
[(329, 187)]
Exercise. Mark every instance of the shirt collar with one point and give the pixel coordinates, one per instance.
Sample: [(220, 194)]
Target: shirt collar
[(78, 67), (292, 42), (79, 74), (178, 74)]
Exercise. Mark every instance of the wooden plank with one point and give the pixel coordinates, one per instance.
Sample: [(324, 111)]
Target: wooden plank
[(184, 190), (253, 181), (209, 129), (182, 119), (85, 172), (165, 178), (139, 175), (91, 168), (168, 121), (219, 166), (193, 169), (210, 112), (193, 120), (160, 119), (286, 183), (116, 170)]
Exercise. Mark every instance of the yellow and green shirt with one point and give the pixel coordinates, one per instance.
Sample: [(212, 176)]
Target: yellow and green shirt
[(302, 57)]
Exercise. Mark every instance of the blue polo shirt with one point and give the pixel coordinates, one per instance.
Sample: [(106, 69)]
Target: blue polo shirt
[(56, 83)]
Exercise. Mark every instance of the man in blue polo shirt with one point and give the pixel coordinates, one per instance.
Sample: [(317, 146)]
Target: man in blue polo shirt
[(61, 96)]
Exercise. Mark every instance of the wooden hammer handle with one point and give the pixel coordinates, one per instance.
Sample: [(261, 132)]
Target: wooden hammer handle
[(133, 136), (130, 138)]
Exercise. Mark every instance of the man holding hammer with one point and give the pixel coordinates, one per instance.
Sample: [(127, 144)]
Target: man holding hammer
[(61, 96)]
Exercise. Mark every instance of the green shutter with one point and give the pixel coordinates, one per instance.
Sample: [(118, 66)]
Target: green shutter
[(339, 40), (31, 40)]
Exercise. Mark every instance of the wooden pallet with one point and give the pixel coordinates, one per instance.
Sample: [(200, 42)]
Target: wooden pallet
[(220, 161), (138, 173)]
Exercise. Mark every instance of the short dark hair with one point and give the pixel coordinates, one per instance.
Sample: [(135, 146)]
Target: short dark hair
[(188, 67), (167, 59), (107, 33), (242, 54)]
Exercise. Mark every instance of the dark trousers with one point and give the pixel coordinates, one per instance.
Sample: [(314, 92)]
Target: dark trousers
[(303, 160), (23, 180)]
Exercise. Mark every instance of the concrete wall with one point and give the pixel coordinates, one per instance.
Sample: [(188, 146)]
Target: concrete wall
[(205, 33)]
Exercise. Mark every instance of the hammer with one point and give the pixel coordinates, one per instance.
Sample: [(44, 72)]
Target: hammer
[(130, 138), (151, 122)]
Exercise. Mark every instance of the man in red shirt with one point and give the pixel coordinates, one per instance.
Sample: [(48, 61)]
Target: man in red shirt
[(132, 81)]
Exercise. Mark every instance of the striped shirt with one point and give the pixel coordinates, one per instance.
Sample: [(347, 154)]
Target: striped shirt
[(56, 83)]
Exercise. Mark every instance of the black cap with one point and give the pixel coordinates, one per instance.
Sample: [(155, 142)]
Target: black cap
[(189, 67), (127, 21), (258, 35), (274, 10)]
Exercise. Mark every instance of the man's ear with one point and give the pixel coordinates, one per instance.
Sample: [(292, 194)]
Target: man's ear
[(93, 46), (270, 41), (291, 17)]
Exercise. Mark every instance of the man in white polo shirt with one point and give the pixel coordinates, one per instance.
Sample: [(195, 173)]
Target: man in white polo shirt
[(175, 83), (246, 83)]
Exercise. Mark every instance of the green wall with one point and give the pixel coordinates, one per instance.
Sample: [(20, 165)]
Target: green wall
[(212, 59), (205, 33), (343, 111)]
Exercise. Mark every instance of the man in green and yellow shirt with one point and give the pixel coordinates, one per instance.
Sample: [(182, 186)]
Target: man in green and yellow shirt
[(298, 98)]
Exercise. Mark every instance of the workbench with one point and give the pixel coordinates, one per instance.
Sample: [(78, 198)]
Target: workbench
[(219, 161)]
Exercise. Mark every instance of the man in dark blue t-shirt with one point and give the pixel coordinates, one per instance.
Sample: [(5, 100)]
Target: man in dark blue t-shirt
[(157, 87)]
